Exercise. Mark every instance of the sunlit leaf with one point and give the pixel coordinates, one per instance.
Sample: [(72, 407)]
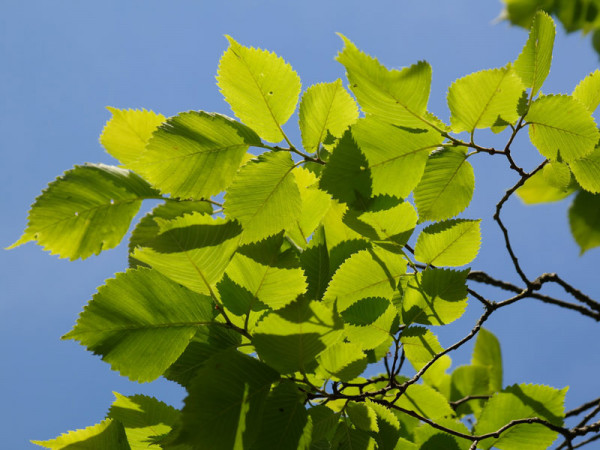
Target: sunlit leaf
[(537, 189), (587, 171), (521, 402), (204, 150), (140, 322), (487, 353), (261, 88), (584, 218), (588, 91), (86, 210), (143, 418), (107, 434), (420, 346), (482, 99), (533, 64), (226, 401), (127, 132), (264, 196), (450, 243), (396, 96), (192, 250), (325, 107), (447, 185), (559, 123), (395, 156)]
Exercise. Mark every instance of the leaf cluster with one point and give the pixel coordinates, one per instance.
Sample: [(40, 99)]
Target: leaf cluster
[(271, 275)]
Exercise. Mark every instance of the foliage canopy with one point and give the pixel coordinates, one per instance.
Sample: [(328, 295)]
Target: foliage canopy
[(271, 275)]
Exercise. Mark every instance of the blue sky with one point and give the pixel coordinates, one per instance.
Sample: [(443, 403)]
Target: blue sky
[(63, 62)]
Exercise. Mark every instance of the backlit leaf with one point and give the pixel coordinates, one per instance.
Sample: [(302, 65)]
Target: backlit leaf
[(204, 150), (588, 91), (587, 171), (86, 210), (533, 64), (284, 419), (450, 243), (143, 418), (261, 88), (487, 353), (362, 416), (420, 346), (140, 322), (397, 96), (226, 401), (483, 99), (425, 401), (264, 196), (192, 250), (584, 218), (342, 361), (127, 132), (521, 402), (395, 156), (561, 123), (447, 185), (107, 434), (325, 107), (434, 297), (365, 274), (537, 189), (290, 339)]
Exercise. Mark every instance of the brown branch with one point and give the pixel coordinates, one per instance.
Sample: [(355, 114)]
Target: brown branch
[(499, 206), (455, 404), (582, 408)]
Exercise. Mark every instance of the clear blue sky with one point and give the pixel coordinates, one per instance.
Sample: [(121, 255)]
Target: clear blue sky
[(63, 62)]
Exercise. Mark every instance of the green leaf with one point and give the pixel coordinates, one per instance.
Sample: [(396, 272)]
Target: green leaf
[(284, 419), (449, 243), (487, 353), (261, 88), (588, 91), (192, 250), (85, 211), (483, 99), (325, 107), (289, 340), (395, 156), (533, 64), (561, 123), (107, 434), (127, 132), (362, 416), (584, 218), (264, 196), (388, 423), (226, 401), (268, 276), (347, 438), (521, 402), (342, 361), (143, 418), (537, 189), (425, 401), (396, 96), (420, 346), (347, 176), (147, 229), (208, 341), (429, 438), (522, 12), (315, 204), (386, 221), (324, 421), (587, 171), (205, 151), (447, 185), (467, 381), (365, 274), (315, 262), (434, 297), (370, 322), (140, 322), (557, 175)]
